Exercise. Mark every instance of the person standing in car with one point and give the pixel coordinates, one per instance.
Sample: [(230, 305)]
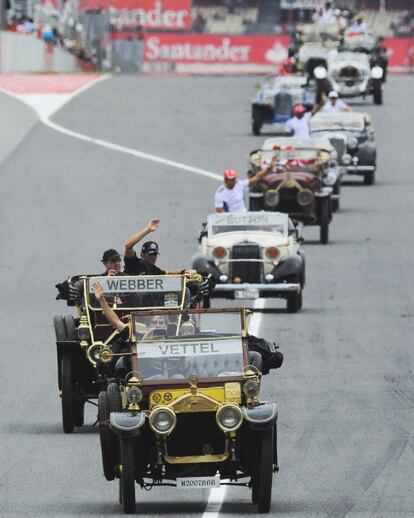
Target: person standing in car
[(145, 264)]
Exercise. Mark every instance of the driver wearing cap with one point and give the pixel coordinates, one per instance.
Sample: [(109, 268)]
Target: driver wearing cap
[(334, 104), (229, 197), (298, 125), (144, 265), (112, 261)]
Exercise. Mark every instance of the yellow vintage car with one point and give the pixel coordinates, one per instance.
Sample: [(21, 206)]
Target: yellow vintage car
[(188, 412), (80, 337)]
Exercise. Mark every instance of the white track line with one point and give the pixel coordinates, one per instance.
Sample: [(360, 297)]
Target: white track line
[(45, 105), (45, 111)]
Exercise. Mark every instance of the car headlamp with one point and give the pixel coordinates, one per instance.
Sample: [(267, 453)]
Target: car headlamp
[(305, 197), (346, 159), (251, 388), (134, 395), (269, 277), (223, 278), (162, 420), (271, 198), (377, 72), (330, 178), (320, 72), (272, 253), (229, 417), (352, 142)]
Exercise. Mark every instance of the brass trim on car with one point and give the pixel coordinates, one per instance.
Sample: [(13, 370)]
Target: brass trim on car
[(192, 459)]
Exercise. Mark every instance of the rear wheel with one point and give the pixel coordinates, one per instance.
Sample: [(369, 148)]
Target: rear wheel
[(107, 438), (68, 418), (263, 474), (127, 476), (324, 221)]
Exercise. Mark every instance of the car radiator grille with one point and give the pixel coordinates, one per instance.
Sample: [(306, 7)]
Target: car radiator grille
[(246, 271), (349, 76), (196, 433), (339, 145), (283, 104)]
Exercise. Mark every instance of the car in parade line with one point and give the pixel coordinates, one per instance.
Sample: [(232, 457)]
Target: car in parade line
[(295, 185), (251, 255), (188, 414), (366, 42), (353, 137), (80, 338), (351, 75), (274, 100)]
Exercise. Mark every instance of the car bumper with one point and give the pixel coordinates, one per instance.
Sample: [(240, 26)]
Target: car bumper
[(253, 291), (360, 169)]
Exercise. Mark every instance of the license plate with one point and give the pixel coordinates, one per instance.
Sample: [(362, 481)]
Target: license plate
[(247, 293), (198, 482)]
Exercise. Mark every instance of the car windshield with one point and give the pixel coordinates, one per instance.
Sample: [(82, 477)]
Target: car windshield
[(142, 291), (284, 160), (177, 345), (268, 222), (337, 121)]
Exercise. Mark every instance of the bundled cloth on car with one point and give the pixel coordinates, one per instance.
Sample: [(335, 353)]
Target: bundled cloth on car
[(272, 358)]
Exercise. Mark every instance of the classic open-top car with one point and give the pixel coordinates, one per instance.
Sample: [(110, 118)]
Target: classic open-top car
[(296, 184), (188, 413), (80, 338), (369, 44), (351, 75), (352, 136), (251, 255), (273, 102)]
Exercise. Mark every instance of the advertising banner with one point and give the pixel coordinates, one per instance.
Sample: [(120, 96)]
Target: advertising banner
[(401, 53), (301, 4), (215, 49), (149, 14)]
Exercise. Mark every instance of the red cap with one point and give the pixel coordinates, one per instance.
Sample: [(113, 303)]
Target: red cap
[(299, 108), (230, 174)]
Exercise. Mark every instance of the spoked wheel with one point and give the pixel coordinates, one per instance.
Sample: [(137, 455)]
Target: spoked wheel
[(68, 395), (127, 477), (324, 222), (107, 438), (263, 478)]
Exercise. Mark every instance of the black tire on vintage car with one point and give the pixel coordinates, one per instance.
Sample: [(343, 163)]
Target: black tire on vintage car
[(294, 302), (68, 396), (324, 218), (369, 178), (377, 92), (336, 191), (107, 438), (127, 476), (256, 128), (262, 476), (114, 397)]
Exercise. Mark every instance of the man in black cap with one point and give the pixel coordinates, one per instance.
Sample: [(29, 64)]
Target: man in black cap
[(144, 265), (112, 261)]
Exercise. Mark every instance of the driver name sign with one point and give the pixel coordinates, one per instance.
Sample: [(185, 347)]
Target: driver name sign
[(189, 348), (137, 284)]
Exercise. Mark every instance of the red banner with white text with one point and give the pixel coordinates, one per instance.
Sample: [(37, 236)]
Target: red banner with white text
[(149, 14), (401, 54), (215, 49)]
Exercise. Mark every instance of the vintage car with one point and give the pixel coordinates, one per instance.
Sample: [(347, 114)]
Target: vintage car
[(369, 44), (353, 138), (80, 338), (188, 414), (251, 255), (351, 75), (273, 102), (296, 184)]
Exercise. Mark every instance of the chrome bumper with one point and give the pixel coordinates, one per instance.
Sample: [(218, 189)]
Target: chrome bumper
[(358, 169), (282, 287)]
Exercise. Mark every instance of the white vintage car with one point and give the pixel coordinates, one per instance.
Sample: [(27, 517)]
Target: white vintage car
[(251, 255)]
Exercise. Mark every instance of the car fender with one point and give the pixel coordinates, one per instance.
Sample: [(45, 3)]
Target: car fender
[(366, 153), (260, 417), (127, 424), (288, 265)]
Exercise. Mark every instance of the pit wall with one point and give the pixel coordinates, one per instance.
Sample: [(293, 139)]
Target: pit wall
[(221, 54), (21, 53)]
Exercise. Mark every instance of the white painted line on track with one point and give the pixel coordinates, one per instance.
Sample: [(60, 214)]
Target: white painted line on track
[(45, 105)]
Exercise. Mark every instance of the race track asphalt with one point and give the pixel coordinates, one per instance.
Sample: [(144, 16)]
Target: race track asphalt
[(345, 391)]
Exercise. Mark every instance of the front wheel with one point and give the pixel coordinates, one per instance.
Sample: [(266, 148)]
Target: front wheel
[(263, 475), (127, 477), (369, 179), (256, 128), (107, 438), (324, 222), (67, 394), (377, 95), (294, 302)]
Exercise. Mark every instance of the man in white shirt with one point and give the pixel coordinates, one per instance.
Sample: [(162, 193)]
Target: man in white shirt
[(358, 25), (334, 104), (229, 197), (298, 125)]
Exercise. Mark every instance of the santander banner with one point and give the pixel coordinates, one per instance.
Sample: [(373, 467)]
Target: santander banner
[(150, 14), (212, 48)]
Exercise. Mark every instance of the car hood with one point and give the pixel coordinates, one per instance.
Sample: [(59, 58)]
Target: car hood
[(230, 239)]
